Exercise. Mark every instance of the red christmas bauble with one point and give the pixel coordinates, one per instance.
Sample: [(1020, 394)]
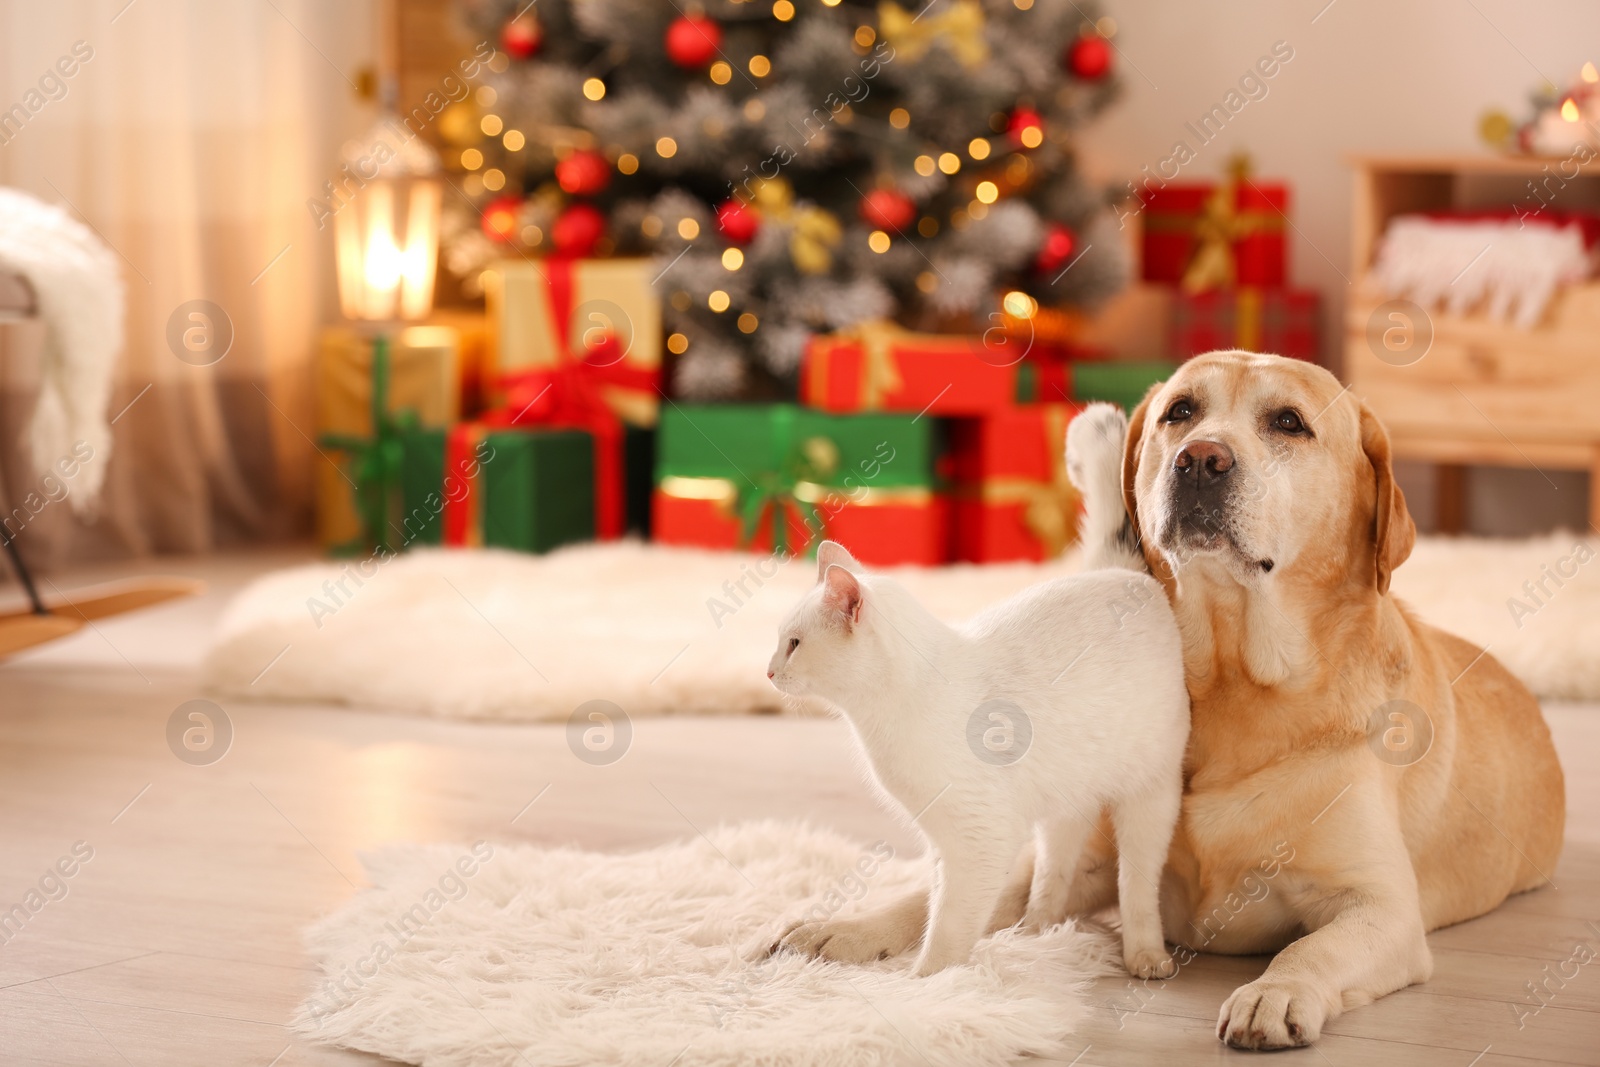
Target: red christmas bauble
[(888, 209), (1021, 121), (1089, 57), (522, 36), (692, 41), (738, 221), (583, 173), (500, 217), (1056, 250), (577, 230)]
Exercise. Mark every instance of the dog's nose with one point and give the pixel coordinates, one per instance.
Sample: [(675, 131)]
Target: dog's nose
[(1203, 463)]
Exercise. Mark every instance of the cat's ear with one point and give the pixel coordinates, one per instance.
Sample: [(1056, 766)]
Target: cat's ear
[(833, 554), (842, 594)]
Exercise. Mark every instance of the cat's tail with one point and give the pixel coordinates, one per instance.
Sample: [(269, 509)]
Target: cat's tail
[(1094, 464)]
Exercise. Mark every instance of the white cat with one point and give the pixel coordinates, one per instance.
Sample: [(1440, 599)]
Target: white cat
[(1065, 701)]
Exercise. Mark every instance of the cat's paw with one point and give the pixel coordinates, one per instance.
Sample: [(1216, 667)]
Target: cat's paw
[(1149, 963), (845, 940), (1047, 903)]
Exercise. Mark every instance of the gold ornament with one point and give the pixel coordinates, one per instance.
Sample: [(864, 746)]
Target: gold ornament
[(813, 232), (959, 28)]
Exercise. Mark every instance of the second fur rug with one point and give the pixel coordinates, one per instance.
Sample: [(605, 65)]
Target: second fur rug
[(662, 630)]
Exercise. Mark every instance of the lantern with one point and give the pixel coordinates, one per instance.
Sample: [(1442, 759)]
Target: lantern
[(386, 235)]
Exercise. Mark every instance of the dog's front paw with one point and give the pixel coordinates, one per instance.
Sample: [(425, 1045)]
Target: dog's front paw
[(845, 940), (1269, 1014), (1150, 963)]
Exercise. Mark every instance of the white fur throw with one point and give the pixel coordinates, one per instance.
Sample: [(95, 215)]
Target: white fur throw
[(495, 955), (662, 630), (77, 283)]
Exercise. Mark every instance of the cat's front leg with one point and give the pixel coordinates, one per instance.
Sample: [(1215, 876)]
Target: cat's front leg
[(974, 865)]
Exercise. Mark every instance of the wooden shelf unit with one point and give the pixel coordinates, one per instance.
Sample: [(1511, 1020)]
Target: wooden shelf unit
[(1486, 393)]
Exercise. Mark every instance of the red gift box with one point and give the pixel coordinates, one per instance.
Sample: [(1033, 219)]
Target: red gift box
[(1012, 499), (1283, 321), (882, 368), (882, 527), (1205, 236)]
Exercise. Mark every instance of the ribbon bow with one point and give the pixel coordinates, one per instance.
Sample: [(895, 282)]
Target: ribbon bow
[(959, 29), (814, 460), (813, 232), (1220, 224), (373, 463)]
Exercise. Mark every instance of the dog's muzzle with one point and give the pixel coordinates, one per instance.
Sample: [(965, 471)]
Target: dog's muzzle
[(1202, 480)]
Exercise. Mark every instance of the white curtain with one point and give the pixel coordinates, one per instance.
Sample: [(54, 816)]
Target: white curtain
[(189, 134)]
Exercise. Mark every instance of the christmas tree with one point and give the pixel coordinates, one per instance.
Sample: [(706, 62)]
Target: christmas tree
[(794, 166)]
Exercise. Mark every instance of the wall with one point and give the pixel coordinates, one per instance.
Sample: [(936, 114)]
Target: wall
[(1368, 77)]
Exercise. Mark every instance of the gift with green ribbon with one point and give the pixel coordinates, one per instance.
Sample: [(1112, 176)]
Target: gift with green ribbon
[(777, 477), (371, 464)]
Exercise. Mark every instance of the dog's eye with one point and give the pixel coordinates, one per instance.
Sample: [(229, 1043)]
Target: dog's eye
[(1288, 420), (1180, 411), (794, 643)]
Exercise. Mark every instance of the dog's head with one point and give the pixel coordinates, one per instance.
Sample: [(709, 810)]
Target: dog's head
[(1263, 466)]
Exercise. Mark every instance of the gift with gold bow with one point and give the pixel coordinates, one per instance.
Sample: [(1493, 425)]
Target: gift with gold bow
[(781, 478), (879, 366), (1011, 498), (1286, 322), (1206, 236)]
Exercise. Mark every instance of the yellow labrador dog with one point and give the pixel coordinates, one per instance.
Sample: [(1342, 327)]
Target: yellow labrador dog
[(1355, 777)]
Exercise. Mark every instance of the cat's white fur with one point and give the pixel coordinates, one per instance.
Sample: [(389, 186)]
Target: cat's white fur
[(1091, 666)]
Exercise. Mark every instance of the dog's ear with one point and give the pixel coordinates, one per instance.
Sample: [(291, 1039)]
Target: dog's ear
[(1393, 532), (1132, 449)]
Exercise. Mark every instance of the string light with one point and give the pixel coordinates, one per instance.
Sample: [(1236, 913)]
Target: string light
[(878, 241), (677, 344), (627, 163), (830, 3), (491, 125), (782, 10), (949, 162), (748, 322), (472, 185), (666, 147), (721, 72), (494, 179), (979, 148), (754, 110), (532, 235), (1106, 26), (924, 166), (1023, 5), (688, 229), (486, 96), (760, 66), (651, 226), (1019, 305), (899, 118), (732, 258), (987, 192), (927, 281), (865, 35), (594, 88), (514, 140), (1031, 137), (471, 158), (717, 301)]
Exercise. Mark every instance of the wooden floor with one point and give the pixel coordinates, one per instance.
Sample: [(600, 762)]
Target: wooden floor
[(179, 941)]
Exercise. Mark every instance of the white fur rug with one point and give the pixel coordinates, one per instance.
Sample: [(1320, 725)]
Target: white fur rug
[(565, 957), (661, 630)]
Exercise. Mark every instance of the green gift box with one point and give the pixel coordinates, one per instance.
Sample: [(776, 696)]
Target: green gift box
[(531, 490), (1120, 383), (780, 476)]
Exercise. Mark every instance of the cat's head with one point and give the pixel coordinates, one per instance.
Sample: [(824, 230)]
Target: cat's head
[(825, 644)]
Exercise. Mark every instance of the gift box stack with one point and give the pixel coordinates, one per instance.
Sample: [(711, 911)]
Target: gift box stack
[(1221, 245), (908, 448)]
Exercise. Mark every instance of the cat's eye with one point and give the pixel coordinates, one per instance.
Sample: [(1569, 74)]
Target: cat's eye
[(794, 643), (1180, 411)]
